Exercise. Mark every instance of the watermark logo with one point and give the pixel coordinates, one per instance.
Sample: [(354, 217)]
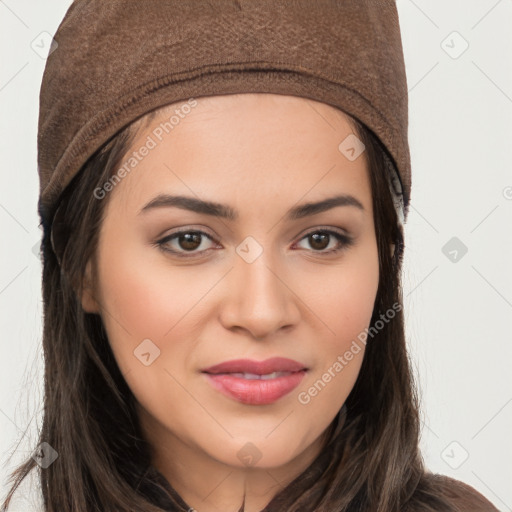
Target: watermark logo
[(45, 455), (351, 147), (249, 250), (455, 455), (249, 454), (44, 45), (454, 249), (454, 45), (146, 352)]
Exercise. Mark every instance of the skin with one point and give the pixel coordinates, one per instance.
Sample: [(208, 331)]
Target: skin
[(261, 154)]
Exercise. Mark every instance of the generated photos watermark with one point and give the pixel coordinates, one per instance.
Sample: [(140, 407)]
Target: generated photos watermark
[(304, 397), (152, 141)]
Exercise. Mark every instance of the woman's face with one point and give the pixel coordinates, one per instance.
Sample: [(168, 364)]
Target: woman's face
[(258, 272)]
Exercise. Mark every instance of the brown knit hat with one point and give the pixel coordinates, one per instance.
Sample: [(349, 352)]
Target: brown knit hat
[(116, 60)]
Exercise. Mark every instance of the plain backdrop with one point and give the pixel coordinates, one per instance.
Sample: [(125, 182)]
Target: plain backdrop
[(457, 275)]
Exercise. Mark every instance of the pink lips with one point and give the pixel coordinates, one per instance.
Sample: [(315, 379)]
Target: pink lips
[(253, 391)]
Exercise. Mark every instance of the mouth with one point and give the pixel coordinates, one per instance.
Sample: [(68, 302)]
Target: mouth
[(255, 376), (256, 369), (256, 383)]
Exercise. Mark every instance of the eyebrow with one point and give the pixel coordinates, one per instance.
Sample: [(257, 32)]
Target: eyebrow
[(226, 212)]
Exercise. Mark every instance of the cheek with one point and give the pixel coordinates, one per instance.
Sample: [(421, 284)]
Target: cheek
[(142, 298), (343, 301), (354, 297), (344, 297)]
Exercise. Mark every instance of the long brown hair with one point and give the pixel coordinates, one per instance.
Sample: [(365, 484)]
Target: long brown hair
[(89, 414)]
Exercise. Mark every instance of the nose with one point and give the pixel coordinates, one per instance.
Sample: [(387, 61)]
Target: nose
[(258, 299)]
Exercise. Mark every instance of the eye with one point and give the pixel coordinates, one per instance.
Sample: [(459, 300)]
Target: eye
[(320, 239), (185, 241)]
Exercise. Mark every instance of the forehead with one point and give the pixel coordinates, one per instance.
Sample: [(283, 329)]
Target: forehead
[(262, 144), (260, 115)]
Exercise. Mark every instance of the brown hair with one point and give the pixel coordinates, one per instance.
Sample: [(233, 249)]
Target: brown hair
[(89, 414)]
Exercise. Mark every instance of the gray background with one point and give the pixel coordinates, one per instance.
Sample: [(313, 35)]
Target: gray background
[(458, 306)]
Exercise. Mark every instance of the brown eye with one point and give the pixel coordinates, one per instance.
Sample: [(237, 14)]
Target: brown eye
[(183, 242), (321, 239), (189, 241)]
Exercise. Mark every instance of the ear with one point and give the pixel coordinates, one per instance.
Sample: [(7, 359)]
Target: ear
[(89, 303), (392, 249)]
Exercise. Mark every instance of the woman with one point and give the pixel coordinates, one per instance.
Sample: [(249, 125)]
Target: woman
[(222, 209)]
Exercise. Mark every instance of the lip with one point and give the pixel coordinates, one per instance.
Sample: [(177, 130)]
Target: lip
[(255, 391), (274, 364)]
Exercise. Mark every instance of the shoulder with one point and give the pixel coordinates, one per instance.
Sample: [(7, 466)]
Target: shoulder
[(462, 496)]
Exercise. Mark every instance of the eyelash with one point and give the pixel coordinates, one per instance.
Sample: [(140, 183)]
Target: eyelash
[(344, 240)]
